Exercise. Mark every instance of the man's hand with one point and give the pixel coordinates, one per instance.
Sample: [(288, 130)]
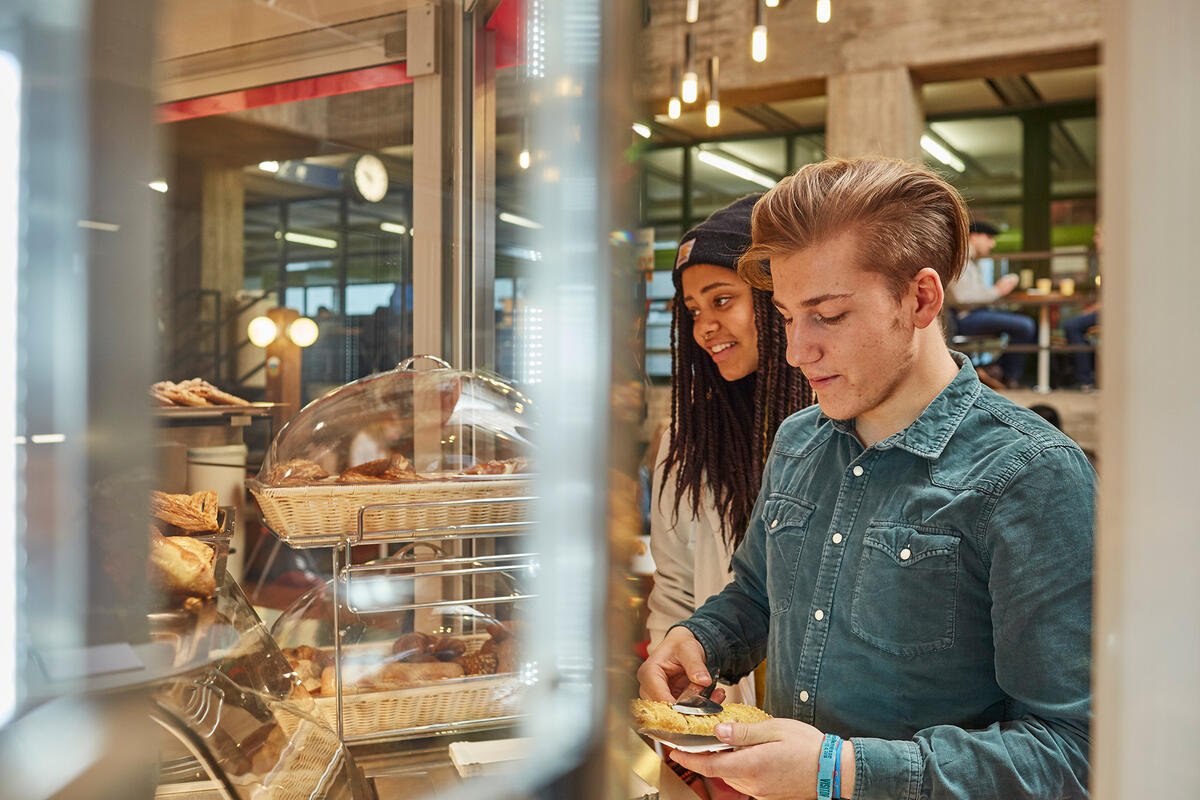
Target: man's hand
[(1007, 283), (777, 759), (675, 663)]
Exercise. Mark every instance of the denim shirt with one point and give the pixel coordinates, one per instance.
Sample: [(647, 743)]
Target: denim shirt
[(929, 596)]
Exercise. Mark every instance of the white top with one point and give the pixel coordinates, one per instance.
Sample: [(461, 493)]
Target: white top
[(691, 560), (970, 286)]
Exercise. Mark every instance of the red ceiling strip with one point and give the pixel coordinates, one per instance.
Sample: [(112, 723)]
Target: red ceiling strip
[(507, 22), (358, 80)]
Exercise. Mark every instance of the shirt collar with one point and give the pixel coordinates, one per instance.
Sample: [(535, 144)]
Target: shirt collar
[(928, 435)]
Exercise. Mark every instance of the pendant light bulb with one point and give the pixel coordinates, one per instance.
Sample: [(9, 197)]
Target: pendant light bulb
[(524, 160), (772, 3), (758, 43), (712, 109), (692, 13), (712, 113), (824, 10), (674, 107), (691, 87)]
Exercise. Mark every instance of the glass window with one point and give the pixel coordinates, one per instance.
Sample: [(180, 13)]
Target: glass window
[(722, 172), (663, 171)]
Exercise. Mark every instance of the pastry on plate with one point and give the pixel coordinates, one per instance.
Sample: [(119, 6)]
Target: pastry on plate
[(659, 716)]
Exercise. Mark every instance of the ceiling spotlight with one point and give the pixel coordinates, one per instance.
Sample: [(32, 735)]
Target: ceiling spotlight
[(824, 10)]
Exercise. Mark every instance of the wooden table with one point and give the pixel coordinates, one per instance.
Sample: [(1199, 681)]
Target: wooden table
[(1043, 302)]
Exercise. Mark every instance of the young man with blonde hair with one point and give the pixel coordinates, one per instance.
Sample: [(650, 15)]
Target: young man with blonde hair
[(917, 568)]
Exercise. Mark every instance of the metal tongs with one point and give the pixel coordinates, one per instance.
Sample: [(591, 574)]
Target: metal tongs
[(698, 701)]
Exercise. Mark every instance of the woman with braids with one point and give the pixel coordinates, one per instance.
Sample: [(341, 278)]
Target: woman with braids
[(730, 388)]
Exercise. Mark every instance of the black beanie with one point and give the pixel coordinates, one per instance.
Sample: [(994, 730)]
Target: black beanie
[(721, 239)]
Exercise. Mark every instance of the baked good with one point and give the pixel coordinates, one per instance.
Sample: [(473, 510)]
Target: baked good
[(449, 648), (193, 392), (181, 565), (506, 655), (413, 644), (210, 393), (507, 466), (478, 663), (401, 673), (296, 472), (194, 512), (394, 469), (659, 716)]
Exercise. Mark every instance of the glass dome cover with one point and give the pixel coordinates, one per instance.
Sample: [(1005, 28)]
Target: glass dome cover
[(405, 425)]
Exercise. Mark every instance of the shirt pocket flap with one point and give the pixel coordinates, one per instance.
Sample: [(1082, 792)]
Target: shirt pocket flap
[(780, 512), (908, 546)]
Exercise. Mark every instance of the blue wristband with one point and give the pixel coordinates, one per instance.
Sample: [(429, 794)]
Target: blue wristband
[(830, 747), (837, 773)]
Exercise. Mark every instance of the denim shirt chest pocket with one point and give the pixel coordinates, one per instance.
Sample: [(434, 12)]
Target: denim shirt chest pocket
[(785, 520), (906, 591)]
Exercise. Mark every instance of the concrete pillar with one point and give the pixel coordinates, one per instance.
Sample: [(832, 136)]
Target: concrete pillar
[(874, 112), (1147, 642)]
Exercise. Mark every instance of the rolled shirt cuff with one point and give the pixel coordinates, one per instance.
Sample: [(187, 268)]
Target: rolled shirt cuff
[(887, 770)]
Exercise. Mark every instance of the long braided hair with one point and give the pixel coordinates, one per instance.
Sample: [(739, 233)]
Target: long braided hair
[(721, 431)]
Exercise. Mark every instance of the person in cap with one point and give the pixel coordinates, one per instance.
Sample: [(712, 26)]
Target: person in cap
[(917, 573), (971, 288), (731, 386)]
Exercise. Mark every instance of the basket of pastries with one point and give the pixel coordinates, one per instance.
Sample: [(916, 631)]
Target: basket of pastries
[(410, 450), (405, 665)]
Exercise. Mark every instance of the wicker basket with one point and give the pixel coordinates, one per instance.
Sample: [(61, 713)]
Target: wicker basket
[(477, 697), (467, 699), (329, 512)]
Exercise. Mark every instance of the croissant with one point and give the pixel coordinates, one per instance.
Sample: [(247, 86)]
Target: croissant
[(196, 512), (182, 565)]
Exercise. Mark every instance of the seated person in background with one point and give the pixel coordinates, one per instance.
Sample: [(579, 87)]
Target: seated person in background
[(971, 288), (1076, 330)]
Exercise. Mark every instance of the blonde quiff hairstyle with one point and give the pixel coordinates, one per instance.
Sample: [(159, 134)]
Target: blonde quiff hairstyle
[(905, 217)]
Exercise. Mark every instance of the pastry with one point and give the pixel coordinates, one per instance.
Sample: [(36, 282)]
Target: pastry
[(195, 512), (413, 644), (394, 469), (181, 565), (659, 716), (478, 664), (399, 674), (449, 648), (507, 466), (506, 655), (210, 393), (296, 472)]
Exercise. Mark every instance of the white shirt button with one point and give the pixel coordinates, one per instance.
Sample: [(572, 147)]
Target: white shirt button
[(858, 471), (905, 554), (774, 524), (837, 538), (803, 696), (819, 615)]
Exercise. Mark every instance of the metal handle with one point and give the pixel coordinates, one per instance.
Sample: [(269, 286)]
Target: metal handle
[(408, 362)]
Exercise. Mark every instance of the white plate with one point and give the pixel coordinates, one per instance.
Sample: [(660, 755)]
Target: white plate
[(687, 742)]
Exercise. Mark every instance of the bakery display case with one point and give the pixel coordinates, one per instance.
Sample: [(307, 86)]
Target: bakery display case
[(436, 464), (404, 450)]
